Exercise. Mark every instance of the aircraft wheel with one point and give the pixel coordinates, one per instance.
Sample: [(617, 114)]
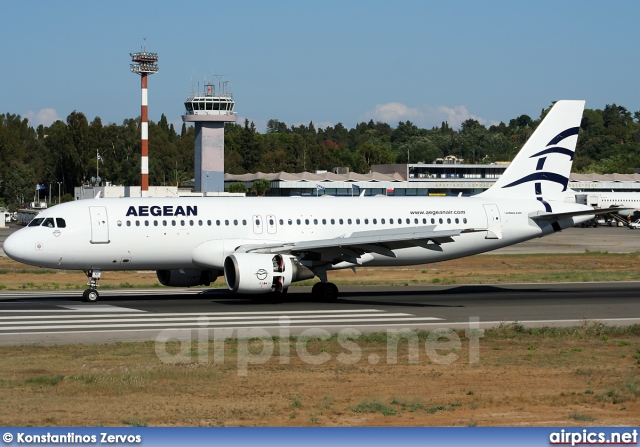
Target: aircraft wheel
[(317, 291), (324, 291), (330, 292), (90, 295)]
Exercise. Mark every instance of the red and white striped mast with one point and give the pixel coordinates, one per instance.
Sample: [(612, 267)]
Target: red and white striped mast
[(145, 64)]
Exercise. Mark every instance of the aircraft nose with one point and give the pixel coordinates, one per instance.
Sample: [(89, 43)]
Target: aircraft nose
[(13, 247)]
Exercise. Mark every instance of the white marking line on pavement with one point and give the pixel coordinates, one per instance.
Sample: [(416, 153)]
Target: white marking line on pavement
[(83, 326), (152, 317), (100, 308), (180, 314)]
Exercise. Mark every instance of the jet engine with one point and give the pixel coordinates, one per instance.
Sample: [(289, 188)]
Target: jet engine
[(186, 277), (263, 273)]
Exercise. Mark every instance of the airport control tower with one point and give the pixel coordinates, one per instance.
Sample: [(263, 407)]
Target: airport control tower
[(209, 111)]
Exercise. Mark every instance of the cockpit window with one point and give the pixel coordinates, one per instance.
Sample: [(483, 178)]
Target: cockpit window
[(60, 222), (36, 222), (48, 222)]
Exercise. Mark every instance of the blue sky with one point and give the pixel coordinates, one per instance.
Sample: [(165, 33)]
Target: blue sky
[(326, 62)]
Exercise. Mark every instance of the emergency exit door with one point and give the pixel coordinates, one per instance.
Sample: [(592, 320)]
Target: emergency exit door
[(99, 225)]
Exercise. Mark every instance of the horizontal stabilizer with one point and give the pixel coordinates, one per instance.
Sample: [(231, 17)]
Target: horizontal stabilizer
[(558, 216)]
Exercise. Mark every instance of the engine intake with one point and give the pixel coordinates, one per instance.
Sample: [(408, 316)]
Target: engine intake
[(262, 273)]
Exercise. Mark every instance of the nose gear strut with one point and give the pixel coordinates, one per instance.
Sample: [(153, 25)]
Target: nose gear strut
[(91, 295)]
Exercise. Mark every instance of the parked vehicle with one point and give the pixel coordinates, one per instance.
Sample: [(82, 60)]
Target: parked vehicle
[(635, 224)]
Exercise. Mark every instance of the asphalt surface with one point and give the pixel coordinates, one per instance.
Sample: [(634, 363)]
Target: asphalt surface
[(134, 315), (60, 317)]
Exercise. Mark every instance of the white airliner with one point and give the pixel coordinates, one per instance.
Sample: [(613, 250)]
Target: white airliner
[(263, 244), (627, 203)]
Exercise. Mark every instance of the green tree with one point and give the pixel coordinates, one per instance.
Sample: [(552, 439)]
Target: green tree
[(20, 185), (237, 187), (260, 187)]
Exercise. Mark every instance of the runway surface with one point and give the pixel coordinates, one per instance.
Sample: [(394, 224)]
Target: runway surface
[(130, 315), (60, 317)]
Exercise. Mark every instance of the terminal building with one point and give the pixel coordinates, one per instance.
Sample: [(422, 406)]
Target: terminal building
[(417, 179)]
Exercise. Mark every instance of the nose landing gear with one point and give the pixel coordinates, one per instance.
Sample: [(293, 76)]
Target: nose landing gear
[(91, 295)]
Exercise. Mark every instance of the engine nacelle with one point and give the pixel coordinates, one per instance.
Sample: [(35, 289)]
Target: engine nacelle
[(186, 277), (262, 273)]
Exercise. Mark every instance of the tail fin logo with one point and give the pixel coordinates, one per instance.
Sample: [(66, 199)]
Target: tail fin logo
[(540, 175)]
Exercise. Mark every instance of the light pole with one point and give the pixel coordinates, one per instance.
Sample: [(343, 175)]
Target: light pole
[(59, 183)]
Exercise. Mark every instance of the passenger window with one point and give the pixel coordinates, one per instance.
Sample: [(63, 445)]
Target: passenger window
[(290, 222), (281, 222), (464, 220), (200, 222), (424, 221), (333, 221), (155, 223), (324, 221), (191, 222), (298, 221), (209, 222), (173, 223), (164, 223), (383, 222), (119, 223), (35, 222), (366, 221), (217, 222), (448, 220), (306, 221), (244, 221), (433, 220), (48, 222), (60, 223), (128, 223), (315, 221), (408, 221), (257, 221), (391, 221), (137, 223), (357, 221), (235, 222), (146, 223), (440, 220), (399, 221), (226, 222), (415, 221), (375, 221), (341, 221), (349, 221), (457, 221), (271, 222)]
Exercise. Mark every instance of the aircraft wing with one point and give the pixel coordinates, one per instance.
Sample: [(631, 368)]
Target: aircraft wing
[(350, 247)]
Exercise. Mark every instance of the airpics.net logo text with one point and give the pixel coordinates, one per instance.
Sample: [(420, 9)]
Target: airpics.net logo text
[(256, 346)]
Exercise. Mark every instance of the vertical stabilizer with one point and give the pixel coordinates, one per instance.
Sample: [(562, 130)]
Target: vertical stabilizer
[(542, 167)]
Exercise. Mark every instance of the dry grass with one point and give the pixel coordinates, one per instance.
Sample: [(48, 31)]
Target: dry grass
[(577, 376), (586, 375)]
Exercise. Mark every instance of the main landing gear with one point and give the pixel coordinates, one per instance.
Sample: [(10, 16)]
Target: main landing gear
[(91, 295), (324, 291)]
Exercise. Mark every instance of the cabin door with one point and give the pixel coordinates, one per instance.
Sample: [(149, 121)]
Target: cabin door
[(99, 225), (494, 227)]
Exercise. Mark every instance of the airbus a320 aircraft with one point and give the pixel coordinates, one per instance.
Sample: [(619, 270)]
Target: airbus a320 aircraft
[(263, 244)]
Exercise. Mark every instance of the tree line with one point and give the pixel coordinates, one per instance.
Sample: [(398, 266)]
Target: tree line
[(65, 154)]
